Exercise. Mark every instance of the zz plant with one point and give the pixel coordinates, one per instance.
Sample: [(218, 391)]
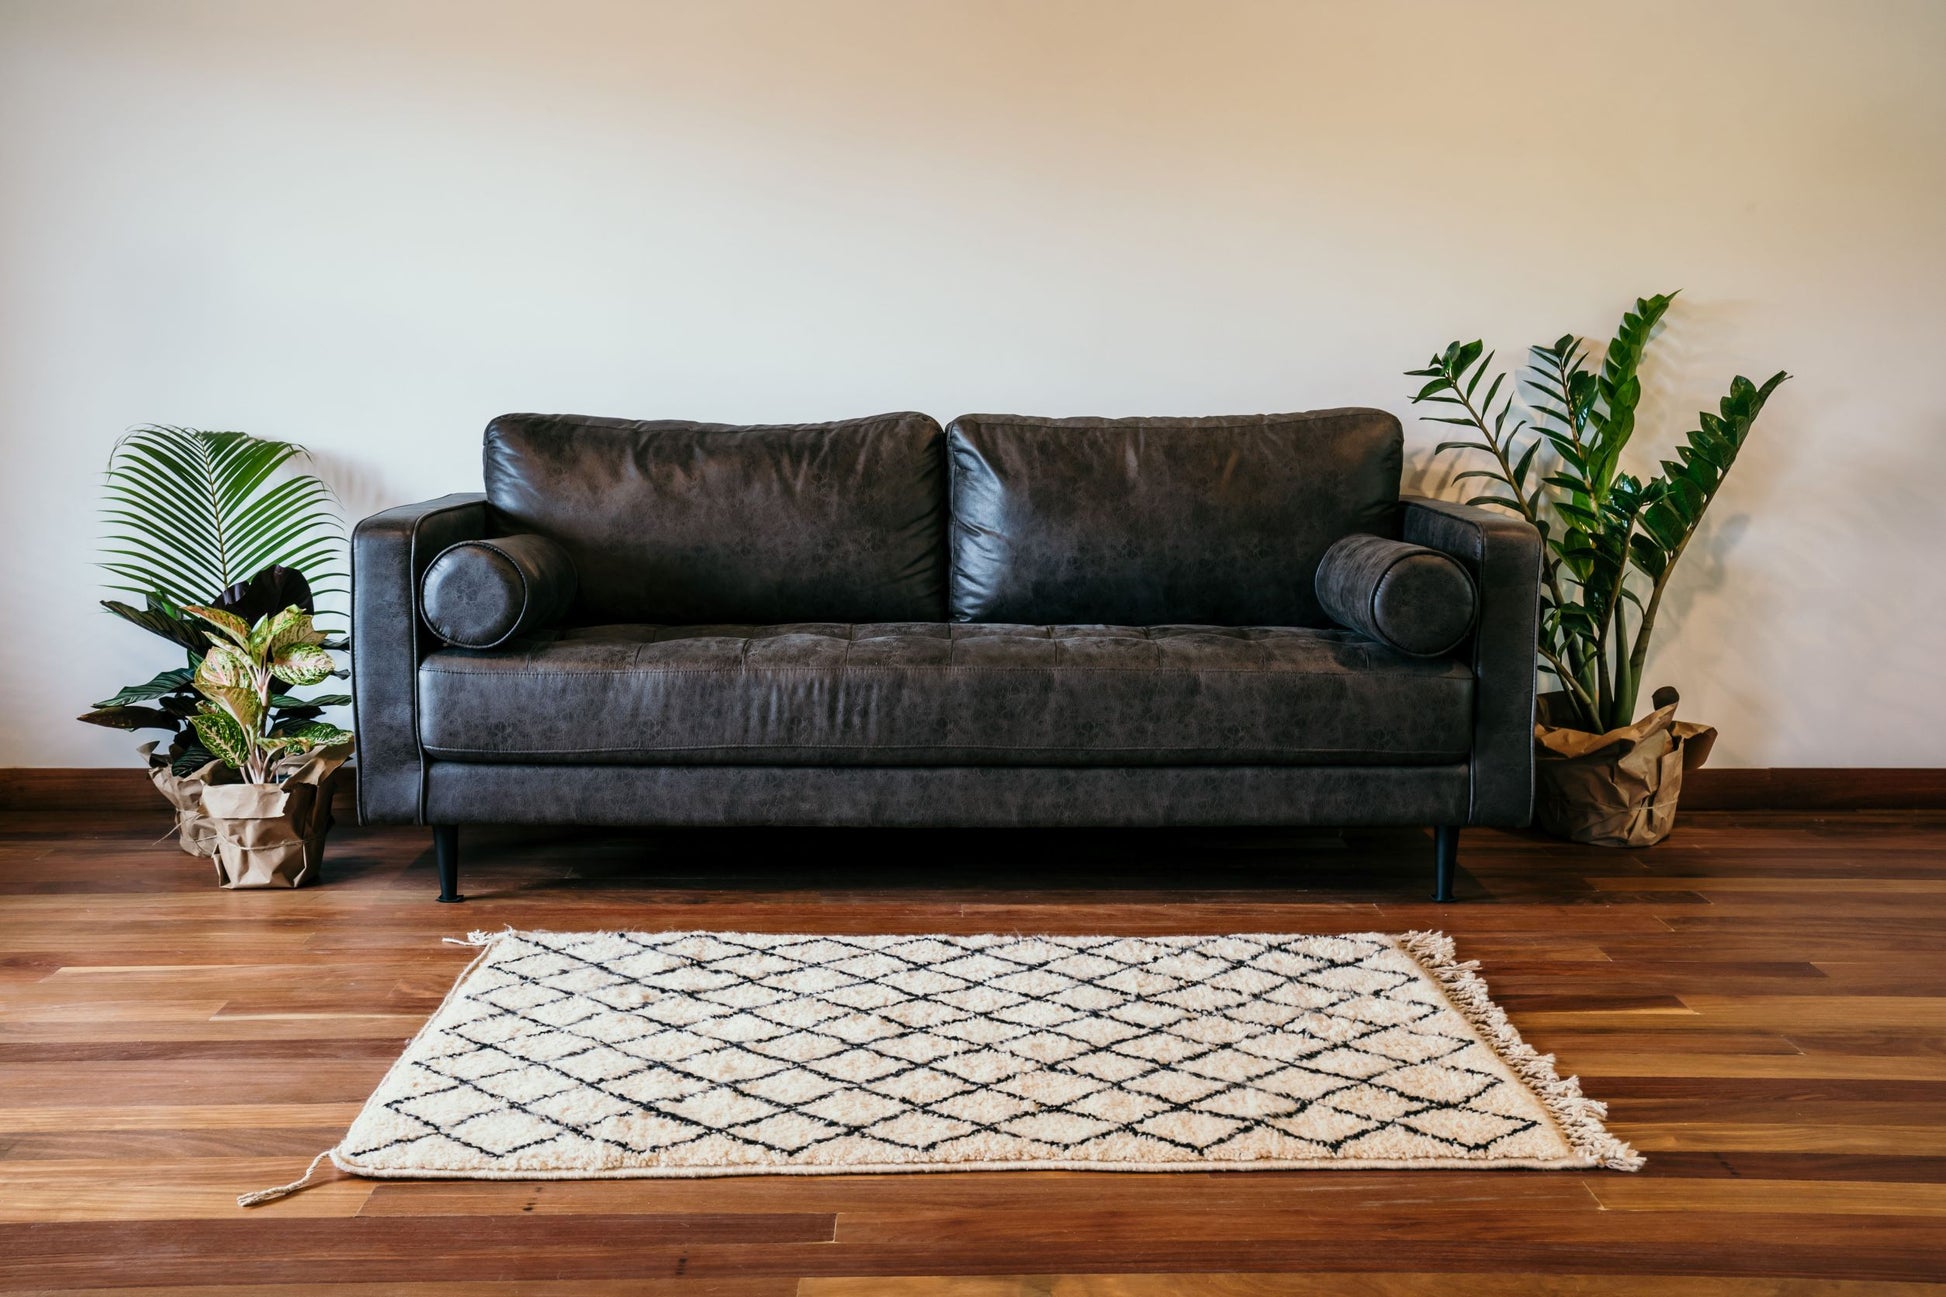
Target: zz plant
[(1612, 540), (237, 679)]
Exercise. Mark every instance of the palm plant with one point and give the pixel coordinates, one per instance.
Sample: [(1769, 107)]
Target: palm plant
[(1612, 540), (216, 520), (192, 513)]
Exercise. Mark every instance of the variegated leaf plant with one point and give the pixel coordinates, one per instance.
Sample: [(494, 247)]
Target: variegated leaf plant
[(237, 679)]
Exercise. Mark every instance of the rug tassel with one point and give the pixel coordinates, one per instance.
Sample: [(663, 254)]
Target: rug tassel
[(478, 938), (283, 1190), (1578, 1116)]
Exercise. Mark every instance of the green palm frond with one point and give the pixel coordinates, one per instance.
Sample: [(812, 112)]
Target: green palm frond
[(191, 513)]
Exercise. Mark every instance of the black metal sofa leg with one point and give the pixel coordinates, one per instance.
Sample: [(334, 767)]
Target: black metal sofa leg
[(1445, 858), (445, 846)]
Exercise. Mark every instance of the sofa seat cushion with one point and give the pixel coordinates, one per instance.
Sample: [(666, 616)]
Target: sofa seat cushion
[(932, 694)]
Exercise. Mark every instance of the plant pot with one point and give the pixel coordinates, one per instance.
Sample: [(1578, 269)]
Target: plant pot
[(272, 835), (194, 831), (1617, 789)]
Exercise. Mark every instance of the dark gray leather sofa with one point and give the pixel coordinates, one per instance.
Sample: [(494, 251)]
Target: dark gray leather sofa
[(1011, 621)]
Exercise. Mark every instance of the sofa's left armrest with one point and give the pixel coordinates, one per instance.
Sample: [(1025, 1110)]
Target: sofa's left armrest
[(1504, 556), (389, 553)]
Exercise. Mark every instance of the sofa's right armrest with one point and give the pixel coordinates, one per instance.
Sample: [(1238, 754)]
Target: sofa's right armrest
[(389, 553), (1504, 556)]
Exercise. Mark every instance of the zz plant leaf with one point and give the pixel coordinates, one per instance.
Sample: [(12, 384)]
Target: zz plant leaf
[(1560, 467)]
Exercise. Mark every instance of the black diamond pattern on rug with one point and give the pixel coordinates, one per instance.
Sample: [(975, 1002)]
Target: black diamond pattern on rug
[(612, 1052)]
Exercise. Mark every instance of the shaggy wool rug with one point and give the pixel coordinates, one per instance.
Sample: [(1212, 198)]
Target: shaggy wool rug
[(605, 1054)]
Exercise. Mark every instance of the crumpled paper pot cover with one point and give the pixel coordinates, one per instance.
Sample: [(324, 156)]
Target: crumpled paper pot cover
[(185, 792), (272, 835), (1617, 789)]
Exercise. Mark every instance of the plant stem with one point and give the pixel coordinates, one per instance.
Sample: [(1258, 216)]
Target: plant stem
[(259, 759), (1576, 689), (1612, 619), (1624, 694), (1639, 657)]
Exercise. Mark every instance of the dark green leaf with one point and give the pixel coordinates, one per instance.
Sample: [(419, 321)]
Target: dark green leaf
[(163, 683), (131, 718), (1525, 462), (322, 700), (1647, 555)]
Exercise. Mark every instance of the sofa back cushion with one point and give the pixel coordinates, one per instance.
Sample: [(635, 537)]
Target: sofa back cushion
[(684, 523), (1142, 522)]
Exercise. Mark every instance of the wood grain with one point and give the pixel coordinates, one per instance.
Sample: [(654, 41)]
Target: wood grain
[(1761, 1000)]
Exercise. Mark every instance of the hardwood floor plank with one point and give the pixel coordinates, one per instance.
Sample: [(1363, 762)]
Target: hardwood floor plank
[(1818, 1197)]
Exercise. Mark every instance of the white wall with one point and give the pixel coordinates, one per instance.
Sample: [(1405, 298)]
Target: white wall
[(372, 226)]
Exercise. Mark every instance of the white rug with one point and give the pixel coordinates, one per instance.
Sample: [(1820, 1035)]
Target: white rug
[(605, 1054)]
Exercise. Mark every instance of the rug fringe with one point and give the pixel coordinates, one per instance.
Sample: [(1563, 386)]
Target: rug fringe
[(283, 1190), (479, 937), (1579, 1117)]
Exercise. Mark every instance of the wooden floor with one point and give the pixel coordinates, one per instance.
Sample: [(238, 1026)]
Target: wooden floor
[(1762, 1001)]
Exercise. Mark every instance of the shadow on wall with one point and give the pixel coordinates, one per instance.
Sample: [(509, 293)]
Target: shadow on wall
[(360, 488)]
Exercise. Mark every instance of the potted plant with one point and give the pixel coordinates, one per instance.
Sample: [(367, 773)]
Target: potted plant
[(218, 520), (270, 825), (1611, 544)]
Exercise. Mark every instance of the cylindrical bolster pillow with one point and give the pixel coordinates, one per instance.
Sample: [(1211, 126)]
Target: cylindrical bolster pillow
[(482, 593), (1414, 599)]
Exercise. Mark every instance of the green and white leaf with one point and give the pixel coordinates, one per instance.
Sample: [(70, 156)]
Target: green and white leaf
[(232, 626), (279, 631), (301, 664), (318, 734), (225, 667), (223, 737), (241, 705)]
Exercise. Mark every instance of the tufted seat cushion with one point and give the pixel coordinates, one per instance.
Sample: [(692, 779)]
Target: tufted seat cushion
[(931, 694)]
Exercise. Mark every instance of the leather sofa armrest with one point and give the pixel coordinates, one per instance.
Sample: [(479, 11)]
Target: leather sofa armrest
[(1504, 556), (389, 553)]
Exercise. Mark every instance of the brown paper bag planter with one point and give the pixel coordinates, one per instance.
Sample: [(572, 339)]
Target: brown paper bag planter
[(272, 835), (1617, 789), (185, 792)]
